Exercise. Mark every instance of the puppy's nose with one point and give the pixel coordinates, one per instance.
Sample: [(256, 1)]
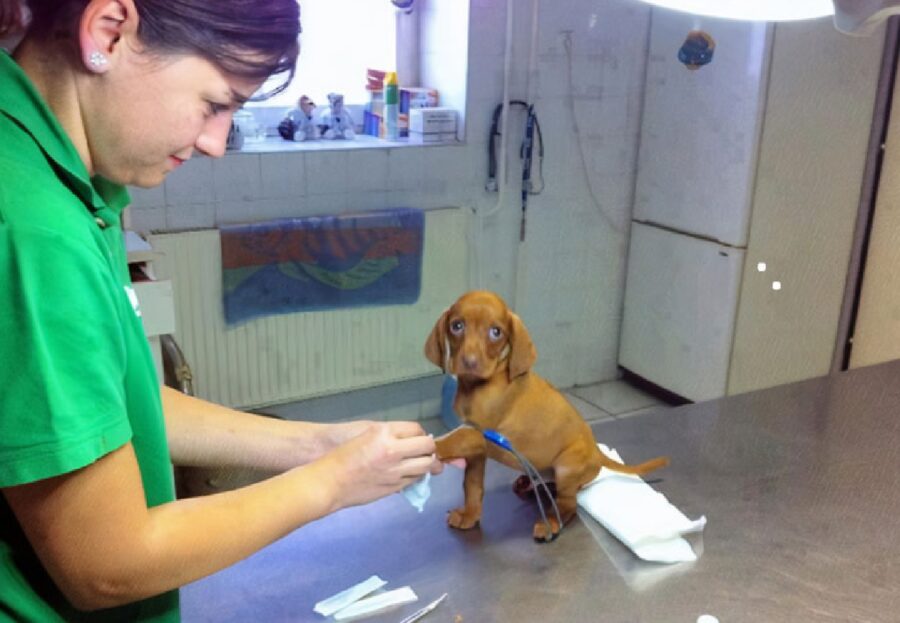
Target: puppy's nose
[(470, 362)]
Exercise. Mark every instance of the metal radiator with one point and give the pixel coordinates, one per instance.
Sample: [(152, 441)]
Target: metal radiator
[(290, 357)]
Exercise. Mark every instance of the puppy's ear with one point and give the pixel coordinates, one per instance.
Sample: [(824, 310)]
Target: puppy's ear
[(522, 354), (436, 344)]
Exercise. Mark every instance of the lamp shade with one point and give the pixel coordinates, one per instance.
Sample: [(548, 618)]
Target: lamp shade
[(756, 10), (863, 16)]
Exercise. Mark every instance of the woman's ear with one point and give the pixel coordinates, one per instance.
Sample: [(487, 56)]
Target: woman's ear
[(12, 18), (436, 344), (104, 25), (522, 353)]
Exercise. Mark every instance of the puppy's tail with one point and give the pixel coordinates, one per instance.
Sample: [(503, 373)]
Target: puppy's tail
[(637, 470)]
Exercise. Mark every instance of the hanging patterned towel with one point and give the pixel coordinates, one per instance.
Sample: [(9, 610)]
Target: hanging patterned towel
[(319, 263)]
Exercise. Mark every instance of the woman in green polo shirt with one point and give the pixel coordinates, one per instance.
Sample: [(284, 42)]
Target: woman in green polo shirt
[(100, 94)]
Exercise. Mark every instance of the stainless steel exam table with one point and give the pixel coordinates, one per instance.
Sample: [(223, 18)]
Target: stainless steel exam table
[(800, 484)]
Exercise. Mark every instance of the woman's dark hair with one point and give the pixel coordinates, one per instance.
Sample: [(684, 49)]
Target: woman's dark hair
[(11, 17), (247, 38)]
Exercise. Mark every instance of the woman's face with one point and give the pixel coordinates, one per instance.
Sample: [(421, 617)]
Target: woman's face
[(147, 115)]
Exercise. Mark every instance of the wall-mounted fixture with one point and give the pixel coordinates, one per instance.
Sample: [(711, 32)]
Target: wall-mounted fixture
[(404, 5), (850, 16), (697, 50)]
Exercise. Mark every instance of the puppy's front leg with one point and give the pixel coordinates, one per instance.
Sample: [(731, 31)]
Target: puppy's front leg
[(466, 443)]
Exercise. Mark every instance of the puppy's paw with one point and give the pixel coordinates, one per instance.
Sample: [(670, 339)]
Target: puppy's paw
[(544, 534), (461, 519), (522, 487)]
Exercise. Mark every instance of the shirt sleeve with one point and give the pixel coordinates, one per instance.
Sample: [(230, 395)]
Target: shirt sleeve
[(62, 356)]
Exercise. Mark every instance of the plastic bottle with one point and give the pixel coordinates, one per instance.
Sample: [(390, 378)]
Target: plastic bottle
[(391, 106)]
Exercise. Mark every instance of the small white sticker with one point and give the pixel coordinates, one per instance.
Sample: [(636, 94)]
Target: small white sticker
[(132, 296)]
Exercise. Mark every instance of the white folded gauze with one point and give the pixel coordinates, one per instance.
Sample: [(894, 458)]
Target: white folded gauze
[(418, 492), (643, 519), (329, 606), (377, 603)]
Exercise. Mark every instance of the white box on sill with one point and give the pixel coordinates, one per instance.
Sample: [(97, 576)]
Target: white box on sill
[(432, 121)]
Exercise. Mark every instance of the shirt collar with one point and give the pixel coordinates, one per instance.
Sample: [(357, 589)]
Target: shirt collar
[(21, 102)]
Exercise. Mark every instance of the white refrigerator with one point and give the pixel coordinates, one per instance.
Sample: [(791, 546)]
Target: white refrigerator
[(693, 201)]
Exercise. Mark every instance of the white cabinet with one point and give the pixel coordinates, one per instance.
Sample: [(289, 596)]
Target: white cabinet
[(158, 315), (755, 158), (155, 297), (679, 311)]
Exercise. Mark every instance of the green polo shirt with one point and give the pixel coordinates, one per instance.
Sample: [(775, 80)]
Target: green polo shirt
[(76, 376)]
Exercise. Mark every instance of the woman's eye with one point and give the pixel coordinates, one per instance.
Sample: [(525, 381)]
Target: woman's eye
[(214, 108), (457, 327), (495, 333)]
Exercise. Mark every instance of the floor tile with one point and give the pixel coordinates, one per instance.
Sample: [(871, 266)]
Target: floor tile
[(641, 411), (590, 412), (616, 397)]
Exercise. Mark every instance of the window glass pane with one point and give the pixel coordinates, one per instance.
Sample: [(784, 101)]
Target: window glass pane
[(341, 39)]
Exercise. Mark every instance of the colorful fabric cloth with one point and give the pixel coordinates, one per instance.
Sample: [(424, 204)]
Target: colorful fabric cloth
[(320, 263)]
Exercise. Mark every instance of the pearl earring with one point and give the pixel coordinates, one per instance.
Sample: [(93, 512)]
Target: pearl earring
[(98, 60)]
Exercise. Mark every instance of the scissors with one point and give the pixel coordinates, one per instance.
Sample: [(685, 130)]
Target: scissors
[(418, 614)]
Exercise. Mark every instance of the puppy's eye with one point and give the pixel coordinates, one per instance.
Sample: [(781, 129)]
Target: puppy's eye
[(457, 327), (495, 333)]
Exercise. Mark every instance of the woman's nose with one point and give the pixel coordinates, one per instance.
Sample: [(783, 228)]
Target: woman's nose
[(213, 138)]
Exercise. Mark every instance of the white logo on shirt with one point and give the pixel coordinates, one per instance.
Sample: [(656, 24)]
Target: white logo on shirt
[(132, 296)]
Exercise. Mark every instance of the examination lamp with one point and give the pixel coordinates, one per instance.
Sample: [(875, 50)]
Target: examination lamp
[(850, 16)]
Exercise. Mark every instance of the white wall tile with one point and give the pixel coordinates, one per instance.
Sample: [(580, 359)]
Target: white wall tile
[(283, 175), (447, 163), (147, 219), (190, 216), (230, 212), (367, 170), (405, 168), (538, 306), (328, 172), (237, 177), (486, 35), (147, 197), (598, 359), (191, 183), (365, 200), (316, 205)]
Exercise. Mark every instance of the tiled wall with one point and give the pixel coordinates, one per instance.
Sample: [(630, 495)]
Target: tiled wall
[(567, 281)]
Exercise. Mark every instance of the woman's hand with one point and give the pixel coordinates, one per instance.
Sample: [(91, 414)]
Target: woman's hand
[(334, 435), (382, 459), (338, 434)]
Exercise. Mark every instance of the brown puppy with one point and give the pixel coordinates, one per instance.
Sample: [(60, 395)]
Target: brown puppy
[(489, 350)]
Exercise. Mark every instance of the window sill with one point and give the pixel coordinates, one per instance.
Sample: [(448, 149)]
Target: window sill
[(275, 144)]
